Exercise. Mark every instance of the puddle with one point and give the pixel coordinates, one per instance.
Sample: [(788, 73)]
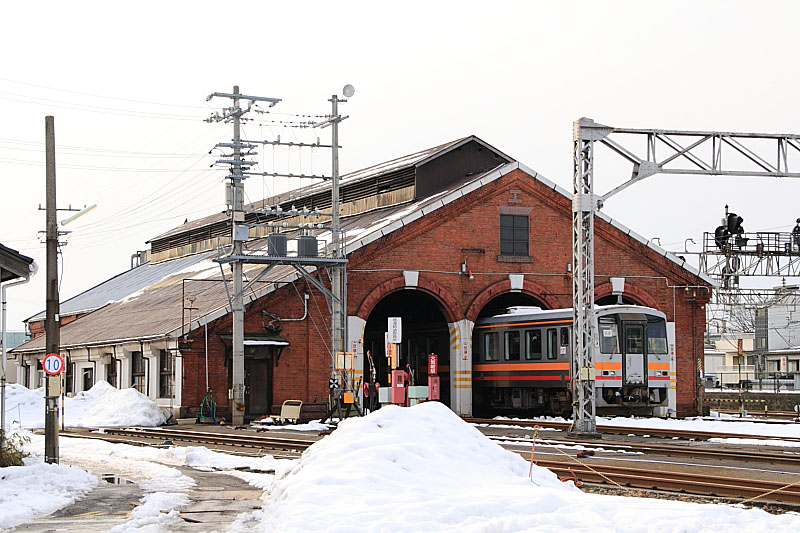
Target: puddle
[(115, 480)]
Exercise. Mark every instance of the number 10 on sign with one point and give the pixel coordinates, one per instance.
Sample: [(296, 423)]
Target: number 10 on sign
[(53, 364)]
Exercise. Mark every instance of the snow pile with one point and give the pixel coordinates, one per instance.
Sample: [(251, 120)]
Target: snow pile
[(404, 469), (424, 469), (38, 489), (102, 405)]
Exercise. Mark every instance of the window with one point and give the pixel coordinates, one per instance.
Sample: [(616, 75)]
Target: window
[(137, 372), (634, 343), (657, 337), (609, 339), (111, 372), (87, 378), (512, 345), (166, 374), (552, 343), (491, 347), (69, 379), (533, 344), (564, 340), (514, 235)]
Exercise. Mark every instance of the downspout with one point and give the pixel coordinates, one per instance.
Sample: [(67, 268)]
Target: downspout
[(206, 336), (3, 351)]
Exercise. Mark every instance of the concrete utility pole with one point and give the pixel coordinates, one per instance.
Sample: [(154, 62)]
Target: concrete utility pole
[(337, 311), (239, 235), (52, 334)]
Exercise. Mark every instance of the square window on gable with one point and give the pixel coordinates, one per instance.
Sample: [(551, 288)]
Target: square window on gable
[(514, 235)]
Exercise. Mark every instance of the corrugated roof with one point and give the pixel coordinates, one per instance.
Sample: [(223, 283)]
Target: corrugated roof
[(155, 311), (122, 285)]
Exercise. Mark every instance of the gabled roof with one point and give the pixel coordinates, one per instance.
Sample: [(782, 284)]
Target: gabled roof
[(155, 312), (350, 179)]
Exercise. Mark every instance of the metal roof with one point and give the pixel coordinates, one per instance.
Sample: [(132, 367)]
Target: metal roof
[(13, 264), (155, 310), (122, 286)]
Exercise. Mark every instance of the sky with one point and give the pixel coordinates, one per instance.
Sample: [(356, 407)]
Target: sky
[(127, 85)]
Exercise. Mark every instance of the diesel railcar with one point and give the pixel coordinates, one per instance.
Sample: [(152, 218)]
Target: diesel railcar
[(522, 361)]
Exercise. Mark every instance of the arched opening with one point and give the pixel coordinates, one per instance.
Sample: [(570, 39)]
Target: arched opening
[(499, 304), (520, 360), (424, 331)]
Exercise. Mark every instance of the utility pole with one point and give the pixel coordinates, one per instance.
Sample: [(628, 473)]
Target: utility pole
[(239, 234), (337, 325), (52, 334)]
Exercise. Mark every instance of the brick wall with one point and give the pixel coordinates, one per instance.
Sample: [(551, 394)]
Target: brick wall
[(435, 243)]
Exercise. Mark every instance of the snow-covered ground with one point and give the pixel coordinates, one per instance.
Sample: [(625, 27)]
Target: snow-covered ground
[(102, 405), (398, 469)]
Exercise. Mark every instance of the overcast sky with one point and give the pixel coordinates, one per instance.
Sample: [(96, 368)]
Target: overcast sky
[(127, 83)]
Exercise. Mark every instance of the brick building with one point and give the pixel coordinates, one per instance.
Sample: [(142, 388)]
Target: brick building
[(437, 237)]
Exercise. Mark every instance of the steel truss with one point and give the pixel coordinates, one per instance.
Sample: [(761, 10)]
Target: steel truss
[(687, 152)]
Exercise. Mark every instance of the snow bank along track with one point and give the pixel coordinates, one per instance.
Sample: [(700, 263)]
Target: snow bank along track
[(622, 430)]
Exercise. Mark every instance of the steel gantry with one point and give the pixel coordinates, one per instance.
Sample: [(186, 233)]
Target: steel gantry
[(709, 153)]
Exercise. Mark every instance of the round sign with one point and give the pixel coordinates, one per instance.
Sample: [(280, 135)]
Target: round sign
[(53, 364)]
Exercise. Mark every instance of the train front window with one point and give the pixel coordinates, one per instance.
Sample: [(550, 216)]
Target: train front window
[(634, 343), (657, 337), (512, 345), (609, 338), (491, 347), (533, 344), (552, 343)]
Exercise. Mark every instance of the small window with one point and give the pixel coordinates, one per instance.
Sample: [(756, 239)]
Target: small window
[(657, 337), (514, 235), (137, 372), (533, 344), (166, 374), (634, 343), (552, 343), (87, 378), (564, 336), (111, 371), (69, 379), (491, 347), (512, 345), (609, 338)]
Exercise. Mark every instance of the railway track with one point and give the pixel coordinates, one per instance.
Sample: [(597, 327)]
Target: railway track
[(720, 454), (681, 482), (622, 430), (678, 482)]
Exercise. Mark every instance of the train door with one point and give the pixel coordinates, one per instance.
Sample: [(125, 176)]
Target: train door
[(634, 372)]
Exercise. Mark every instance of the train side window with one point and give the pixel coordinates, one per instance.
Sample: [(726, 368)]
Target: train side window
[(533, 344), (491, 347), (564, 336), (657, 337), (609, 338), (552, 343), (512, 345)]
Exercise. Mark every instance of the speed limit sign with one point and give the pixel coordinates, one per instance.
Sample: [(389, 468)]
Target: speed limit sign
[(53, 364)]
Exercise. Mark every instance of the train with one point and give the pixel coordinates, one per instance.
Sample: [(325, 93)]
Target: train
[(522, 361)]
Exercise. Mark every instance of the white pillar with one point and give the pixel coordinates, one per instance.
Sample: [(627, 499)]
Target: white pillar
[(355, 335), (461, 366), (672, 400)]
